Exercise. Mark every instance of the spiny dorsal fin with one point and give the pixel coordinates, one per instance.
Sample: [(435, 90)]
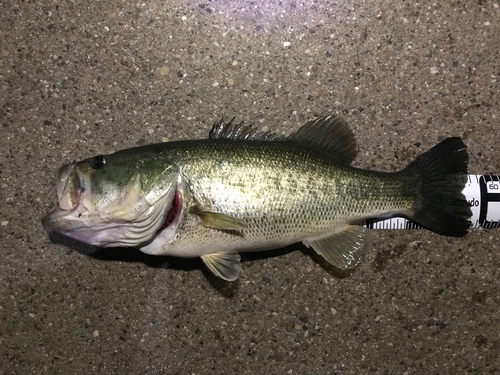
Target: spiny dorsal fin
[(329, 134), (240, 132)]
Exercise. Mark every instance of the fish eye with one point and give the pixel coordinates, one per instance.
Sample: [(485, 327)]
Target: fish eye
[(98, 162)]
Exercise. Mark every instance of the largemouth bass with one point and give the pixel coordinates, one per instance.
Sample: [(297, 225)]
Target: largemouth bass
[(240, 190)]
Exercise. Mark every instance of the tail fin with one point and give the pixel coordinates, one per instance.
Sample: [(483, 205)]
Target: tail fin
[(441, 174)]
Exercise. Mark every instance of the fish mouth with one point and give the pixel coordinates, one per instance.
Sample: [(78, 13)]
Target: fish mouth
[(69, 187), (57, 220), (70, 192), (77, 218), (98, 229)]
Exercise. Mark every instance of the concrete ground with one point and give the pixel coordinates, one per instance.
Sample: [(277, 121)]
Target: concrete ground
[(80, 78)]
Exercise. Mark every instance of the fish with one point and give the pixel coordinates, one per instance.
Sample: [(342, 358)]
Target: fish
[(247, 190)]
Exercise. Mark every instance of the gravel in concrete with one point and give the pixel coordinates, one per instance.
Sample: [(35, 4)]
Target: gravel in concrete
[(79, 78)]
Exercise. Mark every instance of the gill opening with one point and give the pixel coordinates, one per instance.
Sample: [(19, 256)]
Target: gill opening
[(173, 213)]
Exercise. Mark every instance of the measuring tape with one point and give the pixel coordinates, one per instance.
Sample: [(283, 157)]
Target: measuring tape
[(482, 192)]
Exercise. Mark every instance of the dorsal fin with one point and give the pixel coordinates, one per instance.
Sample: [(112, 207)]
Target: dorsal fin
[(240, 132), (329, 134)]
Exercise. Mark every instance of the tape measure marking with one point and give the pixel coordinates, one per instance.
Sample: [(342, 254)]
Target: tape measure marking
[(482, 193)]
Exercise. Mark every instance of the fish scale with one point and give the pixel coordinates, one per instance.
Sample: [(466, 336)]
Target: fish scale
[(283, 192), (241, 191)]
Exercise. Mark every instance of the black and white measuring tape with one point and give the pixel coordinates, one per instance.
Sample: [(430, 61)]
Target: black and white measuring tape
[(483, 195)]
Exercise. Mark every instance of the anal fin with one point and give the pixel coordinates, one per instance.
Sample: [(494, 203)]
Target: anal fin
[(224, 264), (344, 249)]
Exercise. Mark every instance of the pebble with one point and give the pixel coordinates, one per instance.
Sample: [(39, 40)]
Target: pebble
[(164, 70)]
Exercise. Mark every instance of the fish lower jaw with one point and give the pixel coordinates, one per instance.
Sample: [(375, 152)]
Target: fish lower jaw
[(82, 226), (61, 220)]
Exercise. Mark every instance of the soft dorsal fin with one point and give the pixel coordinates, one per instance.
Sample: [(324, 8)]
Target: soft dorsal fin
[(329, 134), (240, 132)]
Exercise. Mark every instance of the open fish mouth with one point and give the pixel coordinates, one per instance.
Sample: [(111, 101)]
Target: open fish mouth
[(69, 188), (129, 221), (70, 192), (100, 230), (59, 220)]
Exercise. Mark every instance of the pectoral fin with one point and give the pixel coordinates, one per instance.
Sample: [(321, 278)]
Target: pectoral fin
[(344, 249), (218, 221), (224, 264)]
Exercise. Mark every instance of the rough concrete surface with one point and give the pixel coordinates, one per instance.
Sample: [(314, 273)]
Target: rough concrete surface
[(80, 78)]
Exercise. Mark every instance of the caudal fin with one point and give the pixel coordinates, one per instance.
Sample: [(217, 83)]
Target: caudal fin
[(441, 174)]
